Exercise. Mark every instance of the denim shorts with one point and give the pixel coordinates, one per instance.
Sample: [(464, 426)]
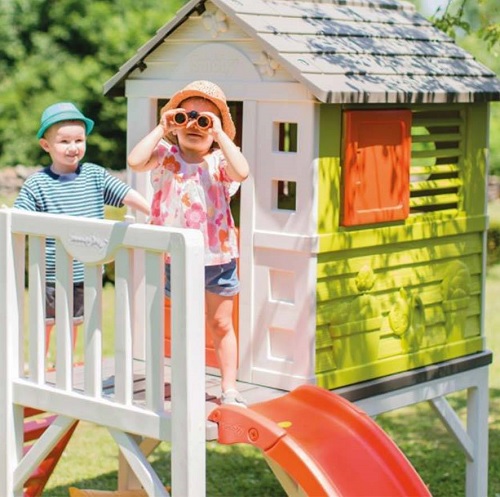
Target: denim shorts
[(50, 301), (221, 279)]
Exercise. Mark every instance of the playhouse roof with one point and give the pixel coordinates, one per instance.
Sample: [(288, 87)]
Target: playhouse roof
[(347, 51)]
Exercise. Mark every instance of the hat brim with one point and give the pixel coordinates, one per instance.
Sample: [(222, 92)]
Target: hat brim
[(65, 116), (226, 119)]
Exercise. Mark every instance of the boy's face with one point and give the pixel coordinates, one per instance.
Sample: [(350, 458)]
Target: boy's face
[(65, 142)]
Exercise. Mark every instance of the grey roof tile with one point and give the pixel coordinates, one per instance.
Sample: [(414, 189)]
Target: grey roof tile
[(350, 50)]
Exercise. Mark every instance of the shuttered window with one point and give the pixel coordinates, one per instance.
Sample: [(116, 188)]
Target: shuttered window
[(376, 166), (436, 159)]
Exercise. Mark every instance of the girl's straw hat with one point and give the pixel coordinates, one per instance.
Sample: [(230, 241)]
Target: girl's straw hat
[(209, 91)]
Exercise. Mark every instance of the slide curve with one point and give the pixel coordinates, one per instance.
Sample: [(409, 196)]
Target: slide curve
[(323, 444)]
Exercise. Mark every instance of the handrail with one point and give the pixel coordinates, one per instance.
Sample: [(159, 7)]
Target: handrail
[(138, 252)]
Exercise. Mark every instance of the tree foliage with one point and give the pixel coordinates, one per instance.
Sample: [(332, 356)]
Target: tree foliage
[(478, 17), (475, 25), (65, 50)]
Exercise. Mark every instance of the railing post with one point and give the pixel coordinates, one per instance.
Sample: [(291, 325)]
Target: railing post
[(476, 475), (188, 366), (11, 416)]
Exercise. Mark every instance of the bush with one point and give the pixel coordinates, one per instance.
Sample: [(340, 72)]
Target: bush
[(493, 245)]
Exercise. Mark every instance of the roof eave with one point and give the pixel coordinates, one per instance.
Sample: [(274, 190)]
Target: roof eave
[(115, 86), (407, 98)]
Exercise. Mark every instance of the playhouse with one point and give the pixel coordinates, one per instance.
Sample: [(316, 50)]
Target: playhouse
[(362, 225), (362, 236)]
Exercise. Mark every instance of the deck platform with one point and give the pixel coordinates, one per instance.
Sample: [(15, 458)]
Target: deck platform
[(367, 394)]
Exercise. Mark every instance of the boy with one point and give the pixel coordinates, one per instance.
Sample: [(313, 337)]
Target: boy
[(71, 187)]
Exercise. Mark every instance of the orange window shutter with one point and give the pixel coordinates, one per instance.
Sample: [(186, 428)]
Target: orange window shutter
[(376, 167)]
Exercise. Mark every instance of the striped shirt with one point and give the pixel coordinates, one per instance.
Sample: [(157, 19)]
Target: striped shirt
[(83, 193)]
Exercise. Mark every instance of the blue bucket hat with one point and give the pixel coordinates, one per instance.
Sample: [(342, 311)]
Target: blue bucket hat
[(63, 111)]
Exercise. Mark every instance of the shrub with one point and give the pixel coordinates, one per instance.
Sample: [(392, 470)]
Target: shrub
[(493, 245)]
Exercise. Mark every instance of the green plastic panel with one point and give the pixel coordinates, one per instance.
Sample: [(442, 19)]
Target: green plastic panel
[(397, 296)]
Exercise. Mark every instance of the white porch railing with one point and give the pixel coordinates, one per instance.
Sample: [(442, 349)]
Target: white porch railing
[(138, 251)]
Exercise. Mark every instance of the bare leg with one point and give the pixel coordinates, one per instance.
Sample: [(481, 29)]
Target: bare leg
[(219, 315), (48, 332)]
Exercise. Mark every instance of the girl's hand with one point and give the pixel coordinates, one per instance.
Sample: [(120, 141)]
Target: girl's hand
[(216, 129), (167, 120)]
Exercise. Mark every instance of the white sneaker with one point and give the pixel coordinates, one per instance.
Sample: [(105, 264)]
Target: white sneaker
[(232, 397)]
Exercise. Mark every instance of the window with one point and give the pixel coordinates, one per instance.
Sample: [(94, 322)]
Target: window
[(435, 182), (285, 137), (285, 140), (376, 166)]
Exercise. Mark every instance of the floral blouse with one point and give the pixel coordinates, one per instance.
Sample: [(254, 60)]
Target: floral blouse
[(196, 196)]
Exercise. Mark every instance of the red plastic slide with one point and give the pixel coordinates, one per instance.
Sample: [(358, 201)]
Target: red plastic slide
[(324, 443)]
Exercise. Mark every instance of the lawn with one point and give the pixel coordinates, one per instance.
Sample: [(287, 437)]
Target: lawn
[(90, 460)]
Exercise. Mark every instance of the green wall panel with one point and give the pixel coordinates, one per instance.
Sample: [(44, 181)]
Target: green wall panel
[(397, 296)]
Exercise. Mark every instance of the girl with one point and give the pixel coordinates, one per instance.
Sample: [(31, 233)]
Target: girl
[(195, 168)]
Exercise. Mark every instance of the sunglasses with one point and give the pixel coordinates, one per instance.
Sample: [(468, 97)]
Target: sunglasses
[(182, 117)]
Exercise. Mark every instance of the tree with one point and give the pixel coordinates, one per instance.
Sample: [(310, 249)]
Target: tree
[(65, 50), (479, 33), (475, 25), (481, 18)]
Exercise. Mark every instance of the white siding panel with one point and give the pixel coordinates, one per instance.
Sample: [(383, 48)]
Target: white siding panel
[(172, 51), (206, 59), (284, 346), (195, 29), (216, 61), (276, 166), (154, 71), (234, 90)]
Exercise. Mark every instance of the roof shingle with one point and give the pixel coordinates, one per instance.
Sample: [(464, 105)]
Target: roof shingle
[(350, 51)]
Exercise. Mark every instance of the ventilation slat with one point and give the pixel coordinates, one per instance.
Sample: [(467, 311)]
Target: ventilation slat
[(436, 138), (436, 162), (435, 169), (432, 122), (438, 184), (434, 200), (445, 152)]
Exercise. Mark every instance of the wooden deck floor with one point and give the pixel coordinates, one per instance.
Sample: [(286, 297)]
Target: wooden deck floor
[(251, 392)]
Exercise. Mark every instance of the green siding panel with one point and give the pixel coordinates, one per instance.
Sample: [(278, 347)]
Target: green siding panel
[(369, 370), (382, 307), (397, 296), (329, 168)]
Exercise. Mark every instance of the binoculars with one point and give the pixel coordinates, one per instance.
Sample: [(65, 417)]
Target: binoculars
[(182, 117)]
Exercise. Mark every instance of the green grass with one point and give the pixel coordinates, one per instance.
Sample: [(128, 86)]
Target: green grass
[(493, 323)]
